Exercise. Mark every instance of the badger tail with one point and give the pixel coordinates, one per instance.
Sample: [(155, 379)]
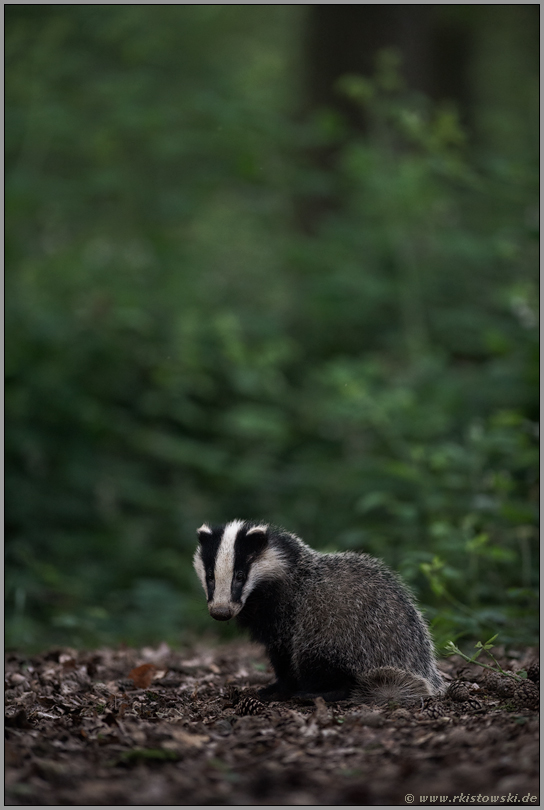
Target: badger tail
[(391, 684)]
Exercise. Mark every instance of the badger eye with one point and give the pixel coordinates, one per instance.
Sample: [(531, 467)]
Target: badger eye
[(209, 574), (239, 576)]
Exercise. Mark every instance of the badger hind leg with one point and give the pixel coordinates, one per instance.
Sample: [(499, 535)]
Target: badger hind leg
[(391, 684)]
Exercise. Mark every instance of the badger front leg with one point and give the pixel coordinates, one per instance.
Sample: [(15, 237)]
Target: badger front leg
[(320, 678), (286, 683)]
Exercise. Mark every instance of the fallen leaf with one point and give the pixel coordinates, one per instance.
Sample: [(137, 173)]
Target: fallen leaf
[(160, 673), (143, 675), (192, 740)]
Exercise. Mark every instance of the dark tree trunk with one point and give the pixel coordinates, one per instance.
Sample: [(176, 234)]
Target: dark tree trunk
[(344, 39), (347, 38)]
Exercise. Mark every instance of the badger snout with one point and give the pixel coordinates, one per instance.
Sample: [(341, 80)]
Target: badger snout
[(222, 614)]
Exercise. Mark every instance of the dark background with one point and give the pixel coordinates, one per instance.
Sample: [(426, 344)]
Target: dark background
[(272, 262)]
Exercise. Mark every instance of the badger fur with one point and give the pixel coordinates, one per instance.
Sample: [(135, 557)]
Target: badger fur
[(334, 625)]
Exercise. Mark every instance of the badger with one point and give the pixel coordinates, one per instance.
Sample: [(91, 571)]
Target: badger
[(340, 625)]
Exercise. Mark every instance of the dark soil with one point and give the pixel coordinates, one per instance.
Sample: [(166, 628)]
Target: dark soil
[(86, 729)]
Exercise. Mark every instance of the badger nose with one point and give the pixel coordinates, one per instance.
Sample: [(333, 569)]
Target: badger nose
[(222, 614)]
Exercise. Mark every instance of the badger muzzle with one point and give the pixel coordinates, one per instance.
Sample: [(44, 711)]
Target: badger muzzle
[(221, 612)]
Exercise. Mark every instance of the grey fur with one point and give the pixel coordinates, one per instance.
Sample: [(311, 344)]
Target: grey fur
[(337, 618)]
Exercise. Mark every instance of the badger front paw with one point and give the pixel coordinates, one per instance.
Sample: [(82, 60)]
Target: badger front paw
[(275, 691)]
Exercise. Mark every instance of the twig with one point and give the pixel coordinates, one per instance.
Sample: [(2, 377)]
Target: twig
[(453, 649)]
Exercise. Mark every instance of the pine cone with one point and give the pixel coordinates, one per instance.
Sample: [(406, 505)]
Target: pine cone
[(458, 691), (432, 709), (232, 694), (250, 705), (527, 695), (499, 685), (470, 706), (533, 671), (490, 682)]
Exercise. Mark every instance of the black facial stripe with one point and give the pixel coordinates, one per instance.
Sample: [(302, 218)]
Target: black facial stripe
[(236, 590), (209, 545), (246, 549)]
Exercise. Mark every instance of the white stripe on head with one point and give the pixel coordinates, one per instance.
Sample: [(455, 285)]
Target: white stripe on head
[(224, 563), (197, 559), (199, 568), (271, 564)]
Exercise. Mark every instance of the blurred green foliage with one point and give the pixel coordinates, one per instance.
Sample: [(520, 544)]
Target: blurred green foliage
[(176, 351)]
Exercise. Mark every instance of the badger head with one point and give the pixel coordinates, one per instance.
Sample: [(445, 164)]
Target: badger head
[(231, 560)]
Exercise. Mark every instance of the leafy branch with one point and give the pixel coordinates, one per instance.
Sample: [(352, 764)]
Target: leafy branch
[(453, 649)]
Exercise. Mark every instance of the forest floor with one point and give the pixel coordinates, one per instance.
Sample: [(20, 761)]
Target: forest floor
[(161, 727)]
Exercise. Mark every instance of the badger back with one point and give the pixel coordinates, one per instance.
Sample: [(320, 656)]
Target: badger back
[(232, 559)]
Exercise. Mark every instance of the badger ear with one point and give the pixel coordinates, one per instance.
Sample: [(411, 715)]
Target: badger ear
[(258, 535), (203, 532), (257, 531)]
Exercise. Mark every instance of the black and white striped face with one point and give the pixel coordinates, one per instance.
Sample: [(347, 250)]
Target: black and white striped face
[(231, 560)]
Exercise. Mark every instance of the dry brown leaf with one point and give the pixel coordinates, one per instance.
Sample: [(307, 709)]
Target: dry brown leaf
[(143, 675)]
